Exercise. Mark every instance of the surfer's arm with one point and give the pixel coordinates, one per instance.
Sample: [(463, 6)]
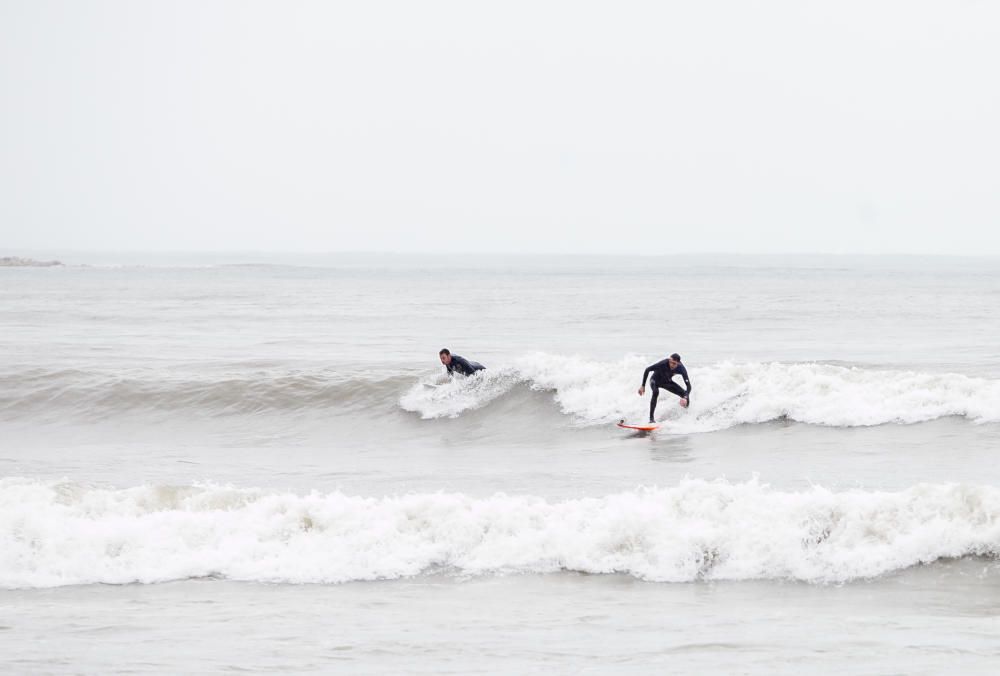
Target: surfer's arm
[(649, 369), (687, 382), (645, 374)]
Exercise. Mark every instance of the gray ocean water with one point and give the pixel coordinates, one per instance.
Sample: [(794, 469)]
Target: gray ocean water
[(254, 463)]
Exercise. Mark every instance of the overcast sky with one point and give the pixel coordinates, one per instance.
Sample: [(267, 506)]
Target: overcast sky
[(577, 127)]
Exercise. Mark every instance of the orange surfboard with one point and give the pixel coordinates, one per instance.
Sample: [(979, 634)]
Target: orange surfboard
[(641, 428)]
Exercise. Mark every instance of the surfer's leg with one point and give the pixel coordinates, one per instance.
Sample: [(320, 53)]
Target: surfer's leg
[(674, 388), (655, 387)]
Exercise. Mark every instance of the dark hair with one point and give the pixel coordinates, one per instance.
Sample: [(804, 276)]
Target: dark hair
[(675, 357), (444, 350)]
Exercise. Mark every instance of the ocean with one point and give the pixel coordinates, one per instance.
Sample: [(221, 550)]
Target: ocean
[(254, 463)]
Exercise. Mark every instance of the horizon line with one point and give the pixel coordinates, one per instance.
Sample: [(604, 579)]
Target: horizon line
[(14, 253)]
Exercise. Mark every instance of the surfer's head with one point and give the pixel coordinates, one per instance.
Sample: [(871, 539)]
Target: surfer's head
[(673, 360), (445, 355)]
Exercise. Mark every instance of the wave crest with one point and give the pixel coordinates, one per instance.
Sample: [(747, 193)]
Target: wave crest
[(591, 392), (96, 395), (728, 394)]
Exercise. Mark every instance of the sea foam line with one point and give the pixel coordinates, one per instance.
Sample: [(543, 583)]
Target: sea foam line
[(60, 533)]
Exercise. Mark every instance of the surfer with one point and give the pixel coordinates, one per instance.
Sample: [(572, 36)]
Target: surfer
[(663, 373), (454, 363)]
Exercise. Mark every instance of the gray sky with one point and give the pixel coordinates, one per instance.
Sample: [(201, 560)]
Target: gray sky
[(577, 127)]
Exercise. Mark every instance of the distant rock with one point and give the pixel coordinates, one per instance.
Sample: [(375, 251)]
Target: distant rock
[(15, 262)]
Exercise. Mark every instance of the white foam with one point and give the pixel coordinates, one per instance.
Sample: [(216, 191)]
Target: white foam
[(60, 533), (728, 394), (448, 399)]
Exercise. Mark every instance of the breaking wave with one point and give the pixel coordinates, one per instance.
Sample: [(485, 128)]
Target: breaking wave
[(590, 392), (62, 533), (725, 394)]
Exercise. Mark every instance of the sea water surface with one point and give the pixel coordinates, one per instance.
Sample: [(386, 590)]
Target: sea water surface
[(257, 458)]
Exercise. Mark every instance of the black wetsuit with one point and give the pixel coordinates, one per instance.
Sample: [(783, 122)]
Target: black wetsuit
[(663, 377), (463, 366)]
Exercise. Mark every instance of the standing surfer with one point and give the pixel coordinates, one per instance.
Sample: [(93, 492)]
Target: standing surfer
[(663, 373)]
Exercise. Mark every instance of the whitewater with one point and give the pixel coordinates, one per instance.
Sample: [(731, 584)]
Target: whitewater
[(821, 394), (272, 449), (62, 534)]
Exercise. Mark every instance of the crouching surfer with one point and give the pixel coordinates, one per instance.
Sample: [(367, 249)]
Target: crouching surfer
[(662, 376), (455, 364)]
